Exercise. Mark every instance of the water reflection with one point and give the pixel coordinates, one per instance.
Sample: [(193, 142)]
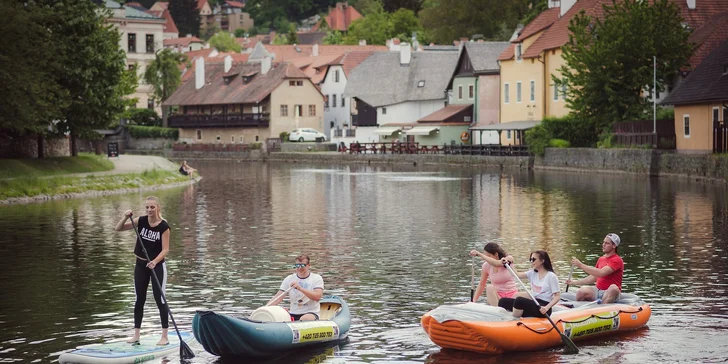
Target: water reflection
[(392, 240)]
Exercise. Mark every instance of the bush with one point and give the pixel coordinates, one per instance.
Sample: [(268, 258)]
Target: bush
[(256, 145), (559, 143), (152, 132), (577, 132), (284, 136), (665, 113), (144, 117), (606, 140)]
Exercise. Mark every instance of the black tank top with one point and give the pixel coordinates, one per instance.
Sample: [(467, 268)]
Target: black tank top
[(151, 237)]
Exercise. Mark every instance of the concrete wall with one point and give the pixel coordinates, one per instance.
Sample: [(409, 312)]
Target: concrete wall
[(408, 111)]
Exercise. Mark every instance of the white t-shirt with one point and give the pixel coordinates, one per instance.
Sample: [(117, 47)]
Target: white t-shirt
[(543, 289), (301, 304)]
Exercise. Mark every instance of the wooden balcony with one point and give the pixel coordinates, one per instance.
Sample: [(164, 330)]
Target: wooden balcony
[(258, 120)]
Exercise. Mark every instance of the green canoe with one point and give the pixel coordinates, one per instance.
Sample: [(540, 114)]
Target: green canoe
[(229, 336)]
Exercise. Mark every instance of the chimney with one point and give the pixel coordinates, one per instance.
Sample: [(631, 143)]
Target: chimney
[(228, 63), (265, 65), (199, 73), (691, 4), (405, 54), (362, 42), (314, 50)]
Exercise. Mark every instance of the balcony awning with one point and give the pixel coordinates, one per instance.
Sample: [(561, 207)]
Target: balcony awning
[(421, 130), (387, 130), (512, 125)]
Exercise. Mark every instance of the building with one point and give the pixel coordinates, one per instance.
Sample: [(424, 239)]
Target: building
[(142, 35), (701, 106), (246, 102), (391, 91), (339, 18), (231, 16), (184, 45)]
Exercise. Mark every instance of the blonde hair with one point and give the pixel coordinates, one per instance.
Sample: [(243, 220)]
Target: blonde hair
[(159, 205)]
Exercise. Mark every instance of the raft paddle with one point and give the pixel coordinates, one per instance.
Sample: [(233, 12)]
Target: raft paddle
[(185, 352), (570, 272), (278, 296), (472, 280), (570, 346)]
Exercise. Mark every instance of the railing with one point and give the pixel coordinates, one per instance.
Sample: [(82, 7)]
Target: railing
[(641, 132), (350, 132), (257, 120), (487, 149), (338, 133)]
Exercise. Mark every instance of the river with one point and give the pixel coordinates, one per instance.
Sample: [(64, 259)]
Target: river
[(391, 240)]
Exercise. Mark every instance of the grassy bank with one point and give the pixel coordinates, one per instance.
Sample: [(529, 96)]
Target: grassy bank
[(34, 186), (34, 167)]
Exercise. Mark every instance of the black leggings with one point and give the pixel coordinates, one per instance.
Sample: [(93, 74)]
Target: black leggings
[(526, 304), (142, 276)]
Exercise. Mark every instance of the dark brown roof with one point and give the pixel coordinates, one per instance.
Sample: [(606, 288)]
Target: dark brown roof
[(311, 37), (225, 88), (448, 112), (708, 83), (708, 37)]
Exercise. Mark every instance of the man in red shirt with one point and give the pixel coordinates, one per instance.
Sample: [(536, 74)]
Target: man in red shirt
[(607, 274)]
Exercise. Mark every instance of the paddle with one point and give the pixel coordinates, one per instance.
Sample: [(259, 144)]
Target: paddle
[(472, 280), (278, 296), (570, 346), (184, 350), (570, 272)]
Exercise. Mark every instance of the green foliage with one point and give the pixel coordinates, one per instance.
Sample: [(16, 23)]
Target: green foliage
[(163, 74), (143, 117), (404, 22), (448, 20), (138, 131), (256, 145), (284, 136), (536, 7), (379, 25), (186, 16), (608, 62), (334, 37), (665, 113), (269, 10), (224, 42), (29, 69), (240, 33), (208, 30), (559, 143), (606, 140), (575, 131), (35, 167), (127, 86)]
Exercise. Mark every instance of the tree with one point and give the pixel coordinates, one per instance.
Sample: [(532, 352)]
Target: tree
[(224, 42), (164, 76), (333, 37), (292, 35), (608, 62), (394, 5), (375, 28), (29, 70), (240, 32), (405, 22), (207, 31), (93, 66), (186, 16), (448, 20)]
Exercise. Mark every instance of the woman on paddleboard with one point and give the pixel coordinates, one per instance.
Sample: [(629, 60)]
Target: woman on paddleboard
[(154, 234)]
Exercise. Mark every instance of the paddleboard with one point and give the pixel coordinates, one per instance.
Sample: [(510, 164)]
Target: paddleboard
[(119, 352)]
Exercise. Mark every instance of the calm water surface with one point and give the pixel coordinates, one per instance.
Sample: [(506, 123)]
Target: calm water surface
[(392, 241)]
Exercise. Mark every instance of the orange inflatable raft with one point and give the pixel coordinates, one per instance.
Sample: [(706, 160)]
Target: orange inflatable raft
[(493, 330)]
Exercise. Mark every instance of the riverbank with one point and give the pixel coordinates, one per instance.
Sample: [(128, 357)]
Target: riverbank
[(129, 174)]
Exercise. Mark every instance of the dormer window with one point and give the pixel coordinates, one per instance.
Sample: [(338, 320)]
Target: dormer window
[(421, 84), (519, 52)]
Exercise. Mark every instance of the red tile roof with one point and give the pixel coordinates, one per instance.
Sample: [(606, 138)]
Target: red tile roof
[(708, 37), (169, 25), (161, 4), (184, 42), (235, 4), (340, 17), (352, 59), (219, 90), (200, 4), (543, 21)]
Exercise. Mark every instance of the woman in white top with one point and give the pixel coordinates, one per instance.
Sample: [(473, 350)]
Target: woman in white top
[(544, 286)]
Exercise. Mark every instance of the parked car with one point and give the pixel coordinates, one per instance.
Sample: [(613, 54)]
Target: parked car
[(306, 135)]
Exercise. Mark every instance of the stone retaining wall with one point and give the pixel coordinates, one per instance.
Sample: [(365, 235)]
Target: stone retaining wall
[(304, 147), (639, 161), (516, 162)]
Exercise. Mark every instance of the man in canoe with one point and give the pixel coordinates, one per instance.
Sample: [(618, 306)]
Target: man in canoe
[(607, 274), (305, 290)]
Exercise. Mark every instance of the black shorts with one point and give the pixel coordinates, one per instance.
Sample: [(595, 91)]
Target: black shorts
[(298, 317)]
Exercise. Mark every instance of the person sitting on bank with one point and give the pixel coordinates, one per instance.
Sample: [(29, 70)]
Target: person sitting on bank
[(306, 290), (186, 170), (607, 274)]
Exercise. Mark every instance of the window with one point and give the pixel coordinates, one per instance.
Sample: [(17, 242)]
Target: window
[(686, 125), (556, 92), (336, 76), (519, 52), (241, 138), (460, 92), (131, 67), (716, 115), (257, 138), (326, 102), (132, 43), (291, 83), (232, 139), (199, 134), (508, 135), (506, 93), (150, 103), (471, 91), (311, 110), (298, 110), (384, 111), (563, 92), (150, 43), (299, 83), (518, 91), (284, 110), (342, 100), (725, 114), (217, 138), (333, 100), (533, 91)]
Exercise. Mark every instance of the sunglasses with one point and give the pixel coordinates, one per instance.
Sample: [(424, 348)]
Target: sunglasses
[(532, 259), (300, 265)]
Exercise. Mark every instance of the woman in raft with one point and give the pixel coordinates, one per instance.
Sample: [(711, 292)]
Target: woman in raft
[(501, 281), (544, 287)]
